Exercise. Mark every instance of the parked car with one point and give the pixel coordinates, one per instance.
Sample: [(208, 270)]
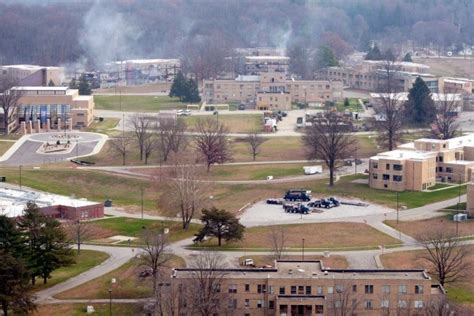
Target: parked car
[(297, 195)]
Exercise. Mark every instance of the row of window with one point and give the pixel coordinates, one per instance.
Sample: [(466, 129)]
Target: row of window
[(307, 289), (447, 170), (396, 167), (367, 304), (386, 177)]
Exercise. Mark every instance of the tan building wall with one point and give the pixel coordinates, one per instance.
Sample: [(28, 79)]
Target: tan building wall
[(271, 292), (470, 199), (268, 101), (81, 107), (222, 91), (33, 75)]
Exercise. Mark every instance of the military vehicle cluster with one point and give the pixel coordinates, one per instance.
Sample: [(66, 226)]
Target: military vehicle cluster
[(300, 202)]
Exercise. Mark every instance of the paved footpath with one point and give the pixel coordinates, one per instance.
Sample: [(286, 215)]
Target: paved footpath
[(118, 257)]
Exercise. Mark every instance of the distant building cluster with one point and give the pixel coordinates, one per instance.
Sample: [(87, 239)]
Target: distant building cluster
[(265, 84), (371, 75), (13, 202), (420, 164)]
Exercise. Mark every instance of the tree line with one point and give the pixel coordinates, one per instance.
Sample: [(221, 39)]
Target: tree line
[(203, 38), (31, 247)]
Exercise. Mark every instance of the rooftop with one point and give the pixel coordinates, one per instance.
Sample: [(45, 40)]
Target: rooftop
[(13, 201), (258, 58), (28, 67), (403, 96), (403, 154), (312, 269), (40, 88)]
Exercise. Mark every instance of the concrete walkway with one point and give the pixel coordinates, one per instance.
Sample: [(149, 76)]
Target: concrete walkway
[(118, 257)]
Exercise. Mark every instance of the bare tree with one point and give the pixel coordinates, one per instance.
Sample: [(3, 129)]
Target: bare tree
[(121, 146), (171, 136), (326, 139), (149, 145), (390, 108), (78, 231), (9, 101), (447, 257), (211, 142), (254, 140), (142, 125), (204, 288), (155, 254), (344, 301), (278, 239), (445, 123), (389, 127), (185, 190)]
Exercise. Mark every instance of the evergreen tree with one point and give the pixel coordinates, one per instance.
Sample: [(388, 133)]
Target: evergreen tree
[(84, 86), (47, 244), (420, 108), (407, 58), (178, 87), (346, 102), (374, 54), (191, 92), (11, 240), (220, 224), (51, 83), (14, 285), (325, 58)]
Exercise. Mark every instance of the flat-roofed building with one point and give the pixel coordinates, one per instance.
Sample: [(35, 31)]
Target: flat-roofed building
[(470, 199), (249, 89), (420, 164), (33, 75), (13, 202), (456, 85), (308, 288), (58, 105)]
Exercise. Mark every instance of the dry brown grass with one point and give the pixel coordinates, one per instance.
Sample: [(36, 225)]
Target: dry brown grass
[(459, 291), (418, 229), (318, 236), (333, 261), (80, 309), (128, 285), (449, 66), (147, 88)]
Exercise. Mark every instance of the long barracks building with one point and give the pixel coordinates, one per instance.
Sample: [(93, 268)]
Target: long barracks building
[(309, 288)]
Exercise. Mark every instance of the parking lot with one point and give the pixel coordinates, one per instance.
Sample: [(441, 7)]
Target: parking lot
[(262, 214)]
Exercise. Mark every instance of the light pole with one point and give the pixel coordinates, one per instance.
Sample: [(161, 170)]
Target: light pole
[(141, 194), (302, 251), (20, 175), (398, 208), (110, 301)]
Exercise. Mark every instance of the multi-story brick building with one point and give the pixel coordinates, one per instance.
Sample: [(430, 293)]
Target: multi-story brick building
[(270, 90), (420, 164), (309, 288)]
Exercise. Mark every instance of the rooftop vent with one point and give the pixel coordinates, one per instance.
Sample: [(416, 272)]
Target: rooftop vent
[(325, 272), (290, 271)]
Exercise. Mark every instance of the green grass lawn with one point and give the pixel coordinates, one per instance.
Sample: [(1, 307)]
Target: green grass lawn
[(137, 103), (354, 106), (439, 186), (86, 260), (256, 172), (236, 123), (105, 127), (134, 227)]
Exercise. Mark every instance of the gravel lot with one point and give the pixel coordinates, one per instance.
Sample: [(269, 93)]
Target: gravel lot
[(262, 214)]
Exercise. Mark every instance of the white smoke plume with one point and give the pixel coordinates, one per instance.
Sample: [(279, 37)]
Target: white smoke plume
[(108, 34)]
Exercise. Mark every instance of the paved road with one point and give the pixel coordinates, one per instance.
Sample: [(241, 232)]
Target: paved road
[(118, 257)]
